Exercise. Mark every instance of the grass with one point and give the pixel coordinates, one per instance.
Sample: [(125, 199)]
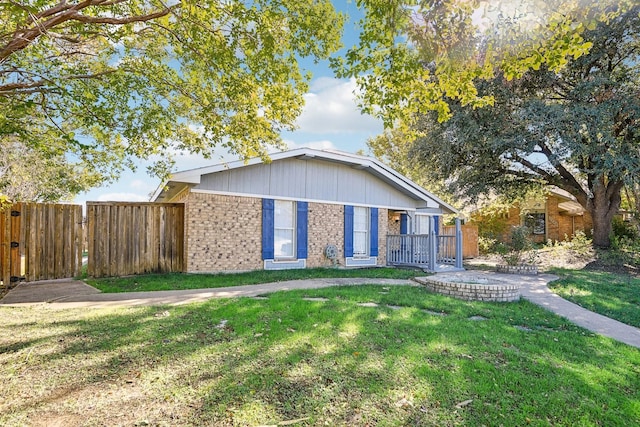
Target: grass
[(176, 281), (613, 295), (415, 359)]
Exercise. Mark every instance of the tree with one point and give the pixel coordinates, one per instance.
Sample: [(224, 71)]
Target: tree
[(34, 175), (105, 82), (577, 129), (415, 55), (394, 148)]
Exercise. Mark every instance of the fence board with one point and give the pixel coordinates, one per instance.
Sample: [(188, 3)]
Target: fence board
[(133, 238), (5, 252), (45, 240), (469, 239)]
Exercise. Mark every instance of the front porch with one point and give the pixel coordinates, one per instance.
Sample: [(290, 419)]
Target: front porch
[(431, 252)]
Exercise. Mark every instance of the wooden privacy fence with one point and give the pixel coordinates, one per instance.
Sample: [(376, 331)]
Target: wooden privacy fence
[(134, 238), (469, 239), (40, 241)]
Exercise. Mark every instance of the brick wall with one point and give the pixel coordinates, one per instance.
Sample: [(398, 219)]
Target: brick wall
[(503, 292), (224, 233), (325, 227), (392, 225), (383, 230), (557, 224)]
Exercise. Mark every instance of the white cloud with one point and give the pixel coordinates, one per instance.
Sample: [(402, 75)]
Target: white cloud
[(318, 145), (331, 108), (141, 185), (122, 197)]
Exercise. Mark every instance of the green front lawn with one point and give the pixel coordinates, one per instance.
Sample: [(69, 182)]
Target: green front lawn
[(613, 295), (176, 281), (414, 359)]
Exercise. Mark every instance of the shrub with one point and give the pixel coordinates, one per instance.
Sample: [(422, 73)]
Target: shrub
[(520, 249), (487, 245), (580, 244), (623, 229)]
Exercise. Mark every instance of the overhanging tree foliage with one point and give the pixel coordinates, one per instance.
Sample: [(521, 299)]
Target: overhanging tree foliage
[(105, 82), (577, 128), (27, 174), (414, 55)]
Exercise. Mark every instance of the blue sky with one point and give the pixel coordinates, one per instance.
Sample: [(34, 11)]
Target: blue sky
[(331, 120)]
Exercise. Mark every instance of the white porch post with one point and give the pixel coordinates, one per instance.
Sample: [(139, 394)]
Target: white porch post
[(458, 244), (433, 244)]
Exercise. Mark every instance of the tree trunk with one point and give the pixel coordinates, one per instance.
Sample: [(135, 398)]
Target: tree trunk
[(602, 207), (601, 230)]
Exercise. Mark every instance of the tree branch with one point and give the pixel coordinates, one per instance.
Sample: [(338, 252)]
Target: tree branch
[(564, 173), (64, 12), (13, 87)]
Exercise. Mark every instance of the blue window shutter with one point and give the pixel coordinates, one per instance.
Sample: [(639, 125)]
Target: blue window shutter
[(403, 223), (301, 227), (373, 248), (436, 224), (348, 231), (267, 229)]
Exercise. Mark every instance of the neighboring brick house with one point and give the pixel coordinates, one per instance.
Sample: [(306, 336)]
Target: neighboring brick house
[(557, 217), (287, 213)]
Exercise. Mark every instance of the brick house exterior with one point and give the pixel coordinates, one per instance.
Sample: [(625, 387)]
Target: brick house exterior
[(285, 214), (557, 217)]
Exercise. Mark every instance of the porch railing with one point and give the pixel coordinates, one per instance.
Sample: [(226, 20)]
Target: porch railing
[(408, 249), (446, 250), (426, 251)]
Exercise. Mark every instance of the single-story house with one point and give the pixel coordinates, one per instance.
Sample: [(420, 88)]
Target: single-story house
[(556, 216), (307, 208)]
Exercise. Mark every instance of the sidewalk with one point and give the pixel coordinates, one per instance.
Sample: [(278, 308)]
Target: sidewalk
[(61, 294), (534, 289)]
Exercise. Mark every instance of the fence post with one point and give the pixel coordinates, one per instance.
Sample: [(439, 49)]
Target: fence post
[(433, 244), (458, 244)]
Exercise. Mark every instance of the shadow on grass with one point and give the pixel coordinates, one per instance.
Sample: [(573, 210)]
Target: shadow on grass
[(612, 295), (250, 362)]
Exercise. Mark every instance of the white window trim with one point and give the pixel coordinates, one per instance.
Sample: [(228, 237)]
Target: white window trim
[(294, 248), (428, 224), (366, 231)]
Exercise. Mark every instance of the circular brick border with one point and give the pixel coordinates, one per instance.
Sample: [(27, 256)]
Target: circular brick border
[(495, 290), (517, 269)]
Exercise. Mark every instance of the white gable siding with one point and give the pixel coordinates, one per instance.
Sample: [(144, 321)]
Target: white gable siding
[(321, 181), (285, 178), (309, 180)]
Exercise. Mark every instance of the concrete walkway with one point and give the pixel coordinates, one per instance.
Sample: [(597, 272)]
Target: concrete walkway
[(534, 289), (60, 294)]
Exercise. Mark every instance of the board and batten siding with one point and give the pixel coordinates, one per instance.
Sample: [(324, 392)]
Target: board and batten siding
[(309, 180)]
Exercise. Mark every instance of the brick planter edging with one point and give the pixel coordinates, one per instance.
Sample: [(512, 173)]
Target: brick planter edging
[(517, 269), (498, 292)]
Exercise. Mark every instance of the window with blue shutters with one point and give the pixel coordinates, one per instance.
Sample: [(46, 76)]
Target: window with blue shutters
[(284, 230), (348, 231), (301, 226), (360, 232), (373, 234), (284, 224), (267, 229)]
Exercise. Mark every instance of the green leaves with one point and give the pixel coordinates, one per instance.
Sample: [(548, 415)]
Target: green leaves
[(418, 56), (576, 128), (139, 79)]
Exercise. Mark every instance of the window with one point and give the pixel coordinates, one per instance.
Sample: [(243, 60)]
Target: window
[(422, 224), (536, 222), (360, 231), (284, 229), (360, 235)]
